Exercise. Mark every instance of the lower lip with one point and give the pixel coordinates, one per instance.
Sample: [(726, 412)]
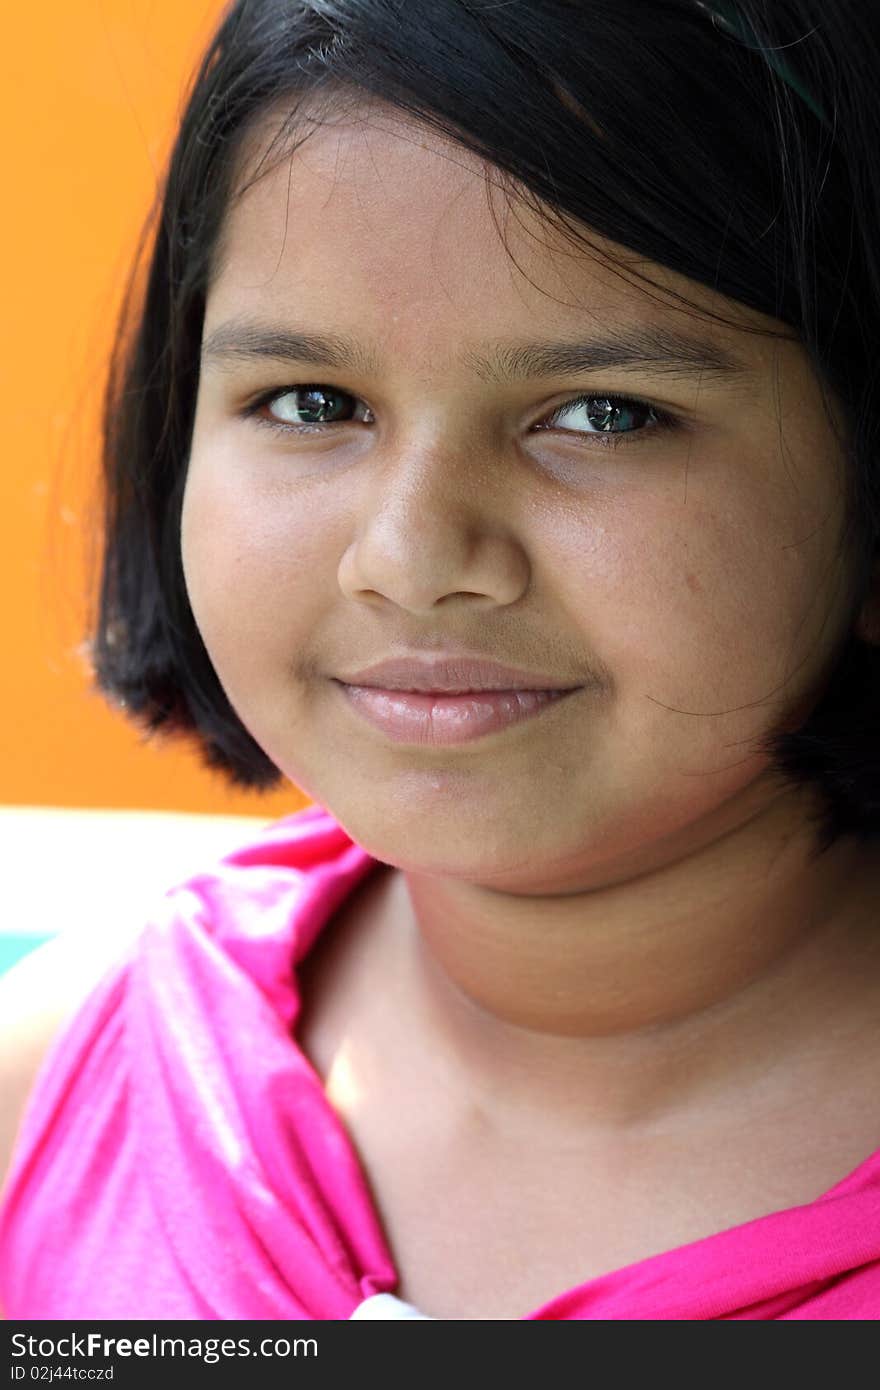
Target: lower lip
[(440, 720)]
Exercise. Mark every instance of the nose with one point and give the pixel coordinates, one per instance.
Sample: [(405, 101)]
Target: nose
[(434, 523)]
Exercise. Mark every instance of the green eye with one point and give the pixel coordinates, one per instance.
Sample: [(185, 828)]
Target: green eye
[(611, 414), (314, 405)]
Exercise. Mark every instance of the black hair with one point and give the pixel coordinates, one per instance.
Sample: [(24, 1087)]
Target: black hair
[(670, 127)]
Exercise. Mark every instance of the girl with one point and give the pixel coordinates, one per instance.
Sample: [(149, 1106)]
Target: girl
[(493, 454)]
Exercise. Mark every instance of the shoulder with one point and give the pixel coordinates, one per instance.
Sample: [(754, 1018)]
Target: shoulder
[(245, 915), (38, 995), (249, 909)]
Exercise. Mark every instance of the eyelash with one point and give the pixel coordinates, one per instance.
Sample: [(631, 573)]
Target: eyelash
[(661, 420)]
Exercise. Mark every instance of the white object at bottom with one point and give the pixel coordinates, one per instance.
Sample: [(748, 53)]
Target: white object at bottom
[(386, 1305)]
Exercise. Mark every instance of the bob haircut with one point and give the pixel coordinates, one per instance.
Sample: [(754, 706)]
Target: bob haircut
[(737, 144)]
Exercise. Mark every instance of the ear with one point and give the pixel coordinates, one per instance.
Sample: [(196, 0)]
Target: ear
[(868, 622)]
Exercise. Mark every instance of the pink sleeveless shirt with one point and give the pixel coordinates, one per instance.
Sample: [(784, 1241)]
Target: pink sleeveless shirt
[(179, 1158)]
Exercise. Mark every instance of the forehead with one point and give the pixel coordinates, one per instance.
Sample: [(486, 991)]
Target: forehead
[(379, 222)]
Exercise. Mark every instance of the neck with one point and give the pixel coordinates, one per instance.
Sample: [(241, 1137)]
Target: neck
[(637, 994)]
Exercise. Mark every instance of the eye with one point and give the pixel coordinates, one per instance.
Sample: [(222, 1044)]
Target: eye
[(610, 417), (304, 409)]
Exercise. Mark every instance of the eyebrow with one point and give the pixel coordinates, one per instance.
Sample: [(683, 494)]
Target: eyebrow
[(662, 350)]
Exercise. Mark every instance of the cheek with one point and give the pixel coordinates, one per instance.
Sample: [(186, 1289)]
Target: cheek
[(252, 566), (705, 606)]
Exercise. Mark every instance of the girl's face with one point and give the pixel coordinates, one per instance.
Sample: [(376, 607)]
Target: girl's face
[(682, 567)]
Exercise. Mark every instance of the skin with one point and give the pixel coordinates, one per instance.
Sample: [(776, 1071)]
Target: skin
[(605, 937)]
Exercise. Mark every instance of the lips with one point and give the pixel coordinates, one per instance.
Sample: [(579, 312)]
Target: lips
[(442, 720), (451, 674)]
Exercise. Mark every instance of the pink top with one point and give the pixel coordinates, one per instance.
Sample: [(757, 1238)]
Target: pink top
[(180, 1159)]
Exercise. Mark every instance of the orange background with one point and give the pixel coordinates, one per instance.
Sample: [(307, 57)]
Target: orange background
[(88, 105)]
